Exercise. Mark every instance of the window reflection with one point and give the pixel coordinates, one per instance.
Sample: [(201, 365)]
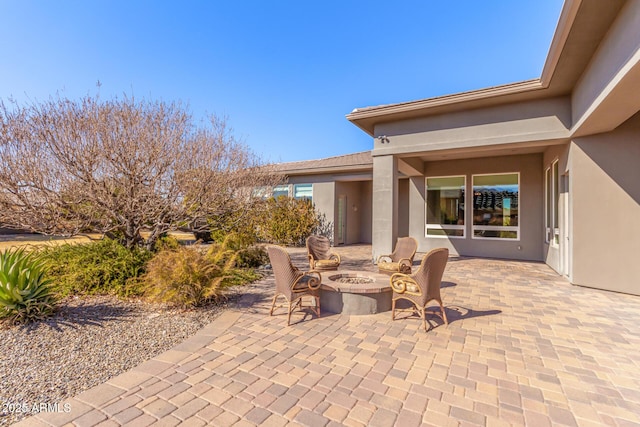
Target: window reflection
[(495, 206), (445, 206)]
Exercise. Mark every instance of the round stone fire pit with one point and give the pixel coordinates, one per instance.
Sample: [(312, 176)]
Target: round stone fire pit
[(356, 280), (355, 292)]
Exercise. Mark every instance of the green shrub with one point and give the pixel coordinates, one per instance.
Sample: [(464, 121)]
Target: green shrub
[(243, 225), (252, 257), (103, 267), (282, 220), (227, 255), (289, 221), (25, 292), (166, 242), (241, 277)]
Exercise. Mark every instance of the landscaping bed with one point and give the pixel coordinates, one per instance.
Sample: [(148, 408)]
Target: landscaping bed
[(88, 341)]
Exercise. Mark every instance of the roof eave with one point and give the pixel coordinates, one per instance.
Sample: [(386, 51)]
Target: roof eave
[(367, 118), (325, 170), (427, 104)]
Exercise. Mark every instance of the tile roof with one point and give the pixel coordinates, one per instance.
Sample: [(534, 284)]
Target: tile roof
[(347, 162)]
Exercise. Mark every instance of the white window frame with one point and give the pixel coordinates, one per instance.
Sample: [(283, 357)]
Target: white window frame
[(281, 188), (552, 208), (303, 197), (515, 228), (428, 226), (548, 203), (555, 214)]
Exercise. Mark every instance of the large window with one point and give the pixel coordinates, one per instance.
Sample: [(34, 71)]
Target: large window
[(552, 198), (445, 206), (280, 190), (303, 191), (495, 206)]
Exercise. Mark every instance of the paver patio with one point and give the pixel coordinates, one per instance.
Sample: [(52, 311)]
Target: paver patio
[(523, 347)]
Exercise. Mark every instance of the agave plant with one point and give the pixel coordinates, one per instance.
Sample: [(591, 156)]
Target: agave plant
[(25, 292)]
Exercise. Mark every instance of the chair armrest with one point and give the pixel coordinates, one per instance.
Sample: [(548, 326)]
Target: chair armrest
[(311, 260), (404, 284), (384, 256), (335, 256), (405, 261), (314, 282)]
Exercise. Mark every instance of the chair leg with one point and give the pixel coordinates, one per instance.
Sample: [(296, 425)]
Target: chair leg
[(444, 314), (273, 305), (424, 318), (289, 315), (393, 309)]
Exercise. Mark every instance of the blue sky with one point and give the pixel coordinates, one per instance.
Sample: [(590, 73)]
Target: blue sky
[(285, 73)]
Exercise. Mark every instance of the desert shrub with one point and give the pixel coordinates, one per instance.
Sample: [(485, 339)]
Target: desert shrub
[(25, 292), (243, 225), (190, 276), (252, 257), (282, 220), (228, 255), (184, 277), (288, 221), (166, 242), (324, 227), (241, 277), (103, 267)]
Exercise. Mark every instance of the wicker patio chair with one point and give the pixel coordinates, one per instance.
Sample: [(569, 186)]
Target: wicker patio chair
[(401, 259), (423, 286), (293, 284), (319, 253)]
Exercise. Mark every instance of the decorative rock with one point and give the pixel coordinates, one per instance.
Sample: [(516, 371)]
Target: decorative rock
[(87, 342)]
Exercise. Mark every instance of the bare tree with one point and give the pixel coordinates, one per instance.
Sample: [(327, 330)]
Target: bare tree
[(121, 166)]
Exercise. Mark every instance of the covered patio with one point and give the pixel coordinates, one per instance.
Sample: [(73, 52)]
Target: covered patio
[(523, 346)]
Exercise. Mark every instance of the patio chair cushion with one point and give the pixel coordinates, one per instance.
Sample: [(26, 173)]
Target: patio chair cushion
[(327, 264), (393, 267), (303, 283)]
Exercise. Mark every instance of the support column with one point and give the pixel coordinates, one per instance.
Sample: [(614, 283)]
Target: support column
[(417, 203), (385, 205)]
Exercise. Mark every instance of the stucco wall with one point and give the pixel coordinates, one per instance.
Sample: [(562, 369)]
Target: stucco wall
[(524, 122), (403, 207), (551, 252), (358, 188), (602, 95), (385, 205), (366, 188), (324, 200), (605, 172), (528, 247), (355, 209)]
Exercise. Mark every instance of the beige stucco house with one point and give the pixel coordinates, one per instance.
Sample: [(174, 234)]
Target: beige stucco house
[(544, 170)]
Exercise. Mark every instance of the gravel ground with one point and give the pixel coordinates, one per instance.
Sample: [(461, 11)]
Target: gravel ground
[(87, 342)]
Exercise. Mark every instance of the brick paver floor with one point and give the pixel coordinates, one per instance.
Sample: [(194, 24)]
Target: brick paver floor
[(523, 347)]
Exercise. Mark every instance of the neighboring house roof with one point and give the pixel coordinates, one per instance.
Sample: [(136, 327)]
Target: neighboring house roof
[(581, 27), (348, 163)]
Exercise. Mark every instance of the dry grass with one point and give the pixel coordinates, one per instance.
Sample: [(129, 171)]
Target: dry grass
[(31, 240), (27, 241)]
